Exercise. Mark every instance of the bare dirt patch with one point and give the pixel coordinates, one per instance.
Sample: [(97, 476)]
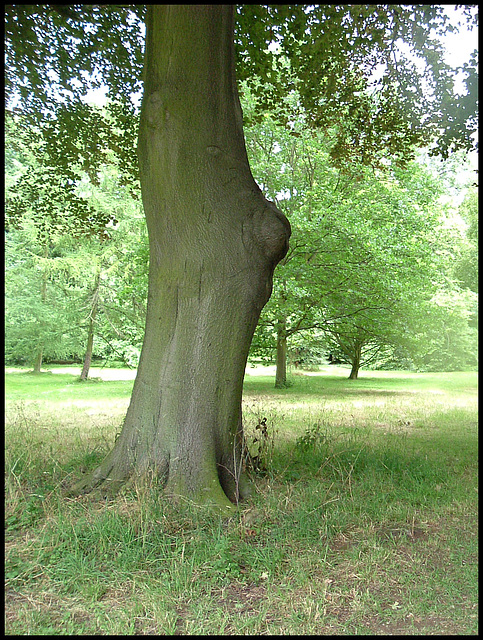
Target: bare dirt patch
[(242, 598)]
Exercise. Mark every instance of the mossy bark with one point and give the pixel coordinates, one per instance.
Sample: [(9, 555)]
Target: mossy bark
[(214, 243)]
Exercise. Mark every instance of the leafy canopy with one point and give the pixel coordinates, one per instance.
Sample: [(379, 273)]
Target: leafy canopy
[(359, 67), (355, 67)]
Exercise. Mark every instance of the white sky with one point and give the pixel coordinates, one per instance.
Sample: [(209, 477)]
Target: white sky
[(459, 46)]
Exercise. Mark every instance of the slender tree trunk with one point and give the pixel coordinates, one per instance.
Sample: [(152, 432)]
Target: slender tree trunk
[(43, 296), (38, 361), (281, 361), (355, 362), (88, 355), (214, 243), (90, 332), (354, 374)]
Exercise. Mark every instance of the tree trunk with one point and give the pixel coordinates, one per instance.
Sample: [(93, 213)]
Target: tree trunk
[(43, 296), (214, 243), (88, 355), (38, 361), (281, 362), (90, 332), (354, 372), (355, 362)]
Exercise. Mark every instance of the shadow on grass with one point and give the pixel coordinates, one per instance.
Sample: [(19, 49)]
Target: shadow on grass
[(327, 387), (380, 384)]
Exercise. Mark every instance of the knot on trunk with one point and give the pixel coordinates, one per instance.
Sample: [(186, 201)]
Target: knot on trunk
[(271, 233)]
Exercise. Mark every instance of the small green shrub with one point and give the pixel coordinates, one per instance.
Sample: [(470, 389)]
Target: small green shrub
[(312, 438)]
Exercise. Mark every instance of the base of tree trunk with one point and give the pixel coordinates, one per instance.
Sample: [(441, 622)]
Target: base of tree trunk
[(283, 384), (212, 496)]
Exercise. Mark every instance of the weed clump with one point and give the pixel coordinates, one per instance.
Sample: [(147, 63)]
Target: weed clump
[(312, 438), (259, 447)]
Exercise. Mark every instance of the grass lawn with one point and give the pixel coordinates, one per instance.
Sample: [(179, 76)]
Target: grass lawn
[(364, 519)]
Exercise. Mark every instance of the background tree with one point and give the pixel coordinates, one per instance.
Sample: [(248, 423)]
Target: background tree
[(43, 214), (98, 281), (448, 339), (214, 239), (466, 266), (367, 247), (38, 320), (122, 264)]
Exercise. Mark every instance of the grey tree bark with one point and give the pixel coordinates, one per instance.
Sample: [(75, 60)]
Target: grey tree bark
[(90, 331), (355, 361), (38, 360), (214, 243), (43, 296), (281, 356)]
